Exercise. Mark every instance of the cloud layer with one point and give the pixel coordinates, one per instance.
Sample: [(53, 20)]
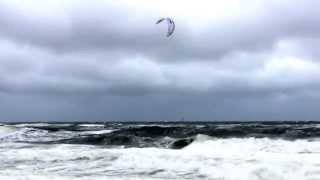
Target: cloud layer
[(103, 60)]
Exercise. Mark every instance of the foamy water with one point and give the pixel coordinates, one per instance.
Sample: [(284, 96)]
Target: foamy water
[(246, 158)]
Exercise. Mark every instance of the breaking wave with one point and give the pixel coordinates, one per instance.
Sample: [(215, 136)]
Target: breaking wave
[(174, 136), (238, 151)]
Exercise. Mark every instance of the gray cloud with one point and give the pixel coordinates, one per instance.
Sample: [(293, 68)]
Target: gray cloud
[(105, 61), (88, 27)]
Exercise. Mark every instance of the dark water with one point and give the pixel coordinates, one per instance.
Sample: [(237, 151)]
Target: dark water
[(174, 135)]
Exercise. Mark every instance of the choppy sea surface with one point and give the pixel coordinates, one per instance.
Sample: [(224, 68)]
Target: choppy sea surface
[(198, 150)]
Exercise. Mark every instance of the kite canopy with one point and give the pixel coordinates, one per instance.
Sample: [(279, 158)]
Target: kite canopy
[(171, 25)]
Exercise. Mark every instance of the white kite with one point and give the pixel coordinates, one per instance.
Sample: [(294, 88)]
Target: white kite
[(171, 25)]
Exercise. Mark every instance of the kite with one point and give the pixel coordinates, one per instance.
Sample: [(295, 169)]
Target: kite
[(171, 25)]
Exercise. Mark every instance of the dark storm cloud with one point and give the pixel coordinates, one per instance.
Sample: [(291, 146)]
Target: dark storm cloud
[(159, 107)]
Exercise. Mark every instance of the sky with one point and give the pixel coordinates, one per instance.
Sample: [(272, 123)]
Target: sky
[(104, 60)]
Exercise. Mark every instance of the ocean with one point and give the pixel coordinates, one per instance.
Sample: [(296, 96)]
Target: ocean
[(176, 150)]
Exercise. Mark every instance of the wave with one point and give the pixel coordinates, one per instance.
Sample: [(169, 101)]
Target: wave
[(139, 135), (73, 151), (205, 158), (6, 131)]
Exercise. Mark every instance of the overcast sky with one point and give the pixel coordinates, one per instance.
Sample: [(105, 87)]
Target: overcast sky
[(94, 60)]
